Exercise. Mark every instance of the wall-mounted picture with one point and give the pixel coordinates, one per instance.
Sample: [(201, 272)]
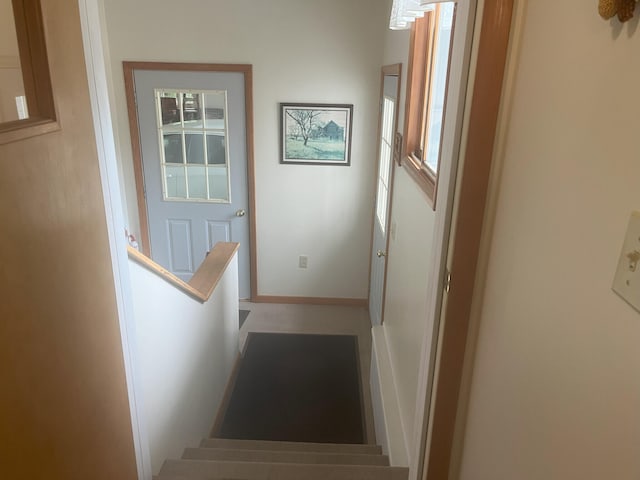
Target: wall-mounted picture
[(316, 134)]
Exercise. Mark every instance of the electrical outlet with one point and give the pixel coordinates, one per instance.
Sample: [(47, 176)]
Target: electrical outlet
[(302, 261), (626, 282)]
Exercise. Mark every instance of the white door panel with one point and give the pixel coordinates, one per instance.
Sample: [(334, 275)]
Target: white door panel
[(195, 166), (383, 197)]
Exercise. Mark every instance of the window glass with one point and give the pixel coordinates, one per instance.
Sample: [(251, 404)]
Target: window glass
[(216, 145), (175, 182), (196, 176), (172, 143), (192, 129), (386, 149), (218, 182), (191, 109), (169, 108), (438, 87), (194, 147)]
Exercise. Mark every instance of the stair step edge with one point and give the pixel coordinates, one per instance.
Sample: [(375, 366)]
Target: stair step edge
[(201, 469), (290, 446), (285, 456)]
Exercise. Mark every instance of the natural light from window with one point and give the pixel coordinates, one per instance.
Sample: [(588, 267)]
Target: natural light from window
[(437, 87)]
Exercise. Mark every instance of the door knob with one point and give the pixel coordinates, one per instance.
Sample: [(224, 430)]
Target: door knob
[(380, 254), (241, 213)]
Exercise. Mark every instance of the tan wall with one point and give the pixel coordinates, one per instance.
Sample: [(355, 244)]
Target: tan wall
[(556, 384), (64, 405), (8, 41)]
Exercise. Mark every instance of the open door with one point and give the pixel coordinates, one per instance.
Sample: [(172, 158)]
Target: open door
[(390, 92)]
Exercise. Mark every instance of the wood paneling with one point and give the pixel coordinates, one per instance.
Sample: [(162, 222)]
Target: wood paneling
[(34, 63), (65, 410)]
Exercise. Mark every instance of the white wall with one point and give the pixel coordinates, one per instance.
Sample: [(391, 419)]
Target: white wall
[(301, 51), (556, 385), (405, 321), (186, 351), (409, 261)]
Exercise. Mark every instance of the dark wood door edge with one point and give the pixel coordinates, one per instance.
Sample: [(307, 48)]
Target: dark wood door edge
[(472, 194)]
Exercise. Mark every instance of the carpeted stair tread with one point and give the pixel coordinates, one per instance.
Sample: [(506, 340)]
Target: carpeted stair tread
[(209, 470), (291, 446), (244, 455)]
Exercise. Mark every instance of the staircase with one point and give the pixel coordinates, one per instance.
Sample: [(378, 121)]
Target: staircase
[(218, 458)]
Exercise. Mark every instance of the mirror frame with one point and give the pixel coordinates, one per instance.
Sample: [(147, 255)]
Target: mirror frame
[(35, 75)]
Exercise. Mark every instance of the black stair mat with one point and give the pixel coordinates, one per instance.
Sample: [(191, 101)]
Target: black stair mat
[(297, 387)]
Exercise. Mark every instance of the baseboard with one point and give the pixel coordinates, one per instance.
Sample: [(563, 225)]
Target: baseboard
[(350, 302), (386, 407)]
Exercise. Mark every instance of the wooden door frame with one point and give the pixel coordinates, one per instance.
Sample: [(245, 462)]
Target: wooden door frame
[(394, 70), (443, 407), (129, 84)]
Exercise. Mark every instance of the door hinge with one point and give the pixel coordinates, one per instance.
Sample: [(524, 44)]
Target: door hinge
[(447, 280)]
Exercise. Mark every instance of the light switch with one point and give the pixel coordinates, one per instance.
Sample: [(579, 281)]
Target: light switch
[(626, 283)]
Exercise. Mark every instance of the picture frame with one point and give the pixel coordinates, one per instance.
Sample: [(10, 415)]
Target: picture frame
[(315, 133)]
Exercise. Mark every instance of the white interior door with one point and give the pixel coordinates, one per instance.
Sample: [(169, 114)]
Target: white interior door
[(383, 197), (193, 139)]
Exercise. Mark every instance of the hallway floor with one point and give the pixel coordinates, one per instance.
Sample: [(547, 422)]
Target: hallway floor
[(318, 319)]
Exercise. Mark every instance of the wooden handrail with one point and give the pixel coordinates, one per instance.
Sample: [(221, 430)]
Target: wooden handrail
[(206, 278)]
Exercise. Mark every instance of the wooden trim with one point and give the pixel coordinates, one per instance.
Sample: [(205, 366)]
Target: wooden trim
[(204, 281), (129, 81), (33, 58), (414, 99), (350, 302), (472, 195), (189, 67), (251, 180), (23, 129), (136, 151), (36, 78), (213, 267), (419, 59), (428, 72)]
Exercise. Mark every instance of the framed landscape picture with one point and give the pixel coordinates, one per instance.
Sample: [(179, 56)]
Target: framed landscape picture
[(315, 133)]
